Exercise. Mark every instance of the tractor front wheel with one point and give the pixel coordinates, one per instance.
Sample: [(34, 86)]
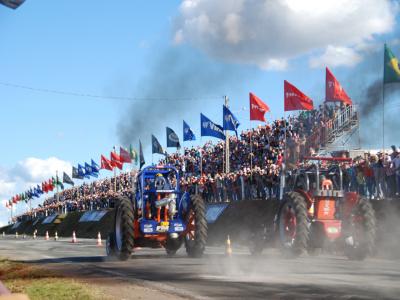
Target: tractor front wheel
[(293, 225), (196, 227), (124, 233), (360, 231)]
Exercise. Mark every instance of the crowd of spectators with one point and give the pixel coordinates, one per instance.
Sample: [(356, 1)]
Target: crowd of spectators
[(256, 160)]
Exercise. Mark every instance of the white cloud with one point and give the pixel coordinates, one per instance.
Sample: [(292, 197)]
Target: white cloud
[(36, 170), (25, 174), (336, 56), (265, 32)]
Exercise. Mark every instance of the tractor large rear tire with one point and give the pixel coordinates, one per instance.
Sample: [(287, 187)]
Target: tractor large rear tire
[(360, 231), (195, 240), (293, 225), (124, 231)]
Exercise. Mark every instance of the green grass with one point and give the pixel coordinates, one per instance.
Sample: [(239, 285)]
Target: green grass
[(39, 283)]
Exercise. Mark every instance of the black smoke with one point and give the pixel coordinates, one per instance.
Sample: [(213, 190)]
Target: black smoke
[(365, 84), (179, 83)]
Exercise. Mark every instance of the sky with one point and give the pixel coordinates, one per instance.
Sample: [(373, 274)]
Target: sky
[(168, 61)]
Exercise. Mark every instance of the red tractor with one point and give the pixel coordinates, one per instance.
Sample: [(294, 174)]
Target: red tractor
[(317, 211)]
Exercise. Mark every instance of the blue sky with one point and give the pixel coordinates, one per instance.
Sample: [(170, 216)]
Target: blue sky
[(112, 49)]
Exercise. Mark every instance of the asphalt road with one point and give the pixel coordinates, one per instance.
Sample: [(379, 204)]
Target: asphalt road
[(216, 276)]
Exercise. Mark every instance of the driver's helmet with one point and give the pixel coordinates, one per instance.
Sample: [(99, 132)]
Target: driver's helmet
[(160, 182)]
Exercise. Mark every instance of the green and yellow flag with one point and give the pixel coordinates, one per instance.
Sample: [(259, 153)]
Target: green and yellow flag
[(391, 71)]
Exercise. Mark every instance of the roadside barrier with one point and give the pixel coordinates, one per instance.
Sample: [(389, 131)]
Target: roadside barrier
[(228, 249), (73, 237), (99, 240), (47, 236), (16, 234), (56, 236)]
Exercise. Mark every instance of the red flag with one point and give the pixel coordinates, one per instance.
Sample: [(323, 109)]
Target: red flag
[(334, 91), (50, 185), (15, 199), (257, 108), (105, 163), (44, 188), (124, 155), (116, 160), (295, 99)]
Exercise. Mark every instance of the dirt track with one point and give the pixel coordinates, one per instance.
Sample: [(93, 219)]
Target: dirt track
[(216, 276)]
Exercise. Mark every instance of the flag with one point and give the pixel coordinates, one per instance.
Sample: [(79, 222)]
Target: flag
[(14, 4), (105, 163), (124, 155), (334, 91), (50, 185), (133, 154), (295, 99), (141, 159), (38, 190), (15, 199), (116, 160), (257, 108), (44, 187), (172, 139), (209, 128), (76, 174), (67, 179), (89, 171), (391, 72), (230, 122), (82, 173), (188, 134), (156, 146), (95, 167)]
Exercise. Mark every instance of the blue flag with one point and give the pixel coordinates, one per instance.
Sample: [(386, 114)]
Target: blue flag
[(95, 167), (230, 121), (209, 128), (39, 190), (81, 172), (89, 171), (188, 134)]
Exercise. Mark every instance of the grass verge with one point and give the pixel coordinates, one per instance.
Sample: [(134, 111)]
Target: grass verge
[(39, 283)]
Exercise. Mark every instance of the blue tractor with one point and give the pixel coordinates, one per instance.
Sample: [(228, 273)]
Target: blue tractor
[(160, 215)]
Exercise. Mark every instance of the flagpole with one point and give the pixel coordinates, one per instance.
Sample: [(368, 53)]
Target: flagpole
[(57, 196), (115, 175), (383, 106), (227, 166)]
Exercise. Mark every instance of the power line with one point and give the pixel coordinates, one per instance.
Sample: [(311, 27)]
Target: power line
[(74, 94)]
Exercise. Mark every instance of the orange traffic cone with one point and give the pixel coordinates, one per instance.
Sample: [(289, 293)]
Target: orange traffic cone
[(99, 239), (74, 237), (56, 236), (47, 236), (228, 249)]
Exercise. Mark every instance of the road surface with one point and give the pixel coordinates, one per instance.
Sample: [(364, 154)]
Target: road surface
[(216, 276)]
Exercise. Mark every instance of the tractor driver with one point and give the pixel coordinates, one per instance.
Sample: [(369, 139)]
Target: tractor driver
[(161, 183), (326, 183)]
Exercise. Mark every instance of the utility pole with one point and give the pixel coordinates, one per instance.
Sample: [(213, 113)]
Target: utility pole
[(227, 152)]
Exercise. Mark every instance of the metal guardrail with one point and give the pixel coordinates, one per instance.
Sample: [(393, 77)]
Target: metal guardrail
[(343, 122)]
